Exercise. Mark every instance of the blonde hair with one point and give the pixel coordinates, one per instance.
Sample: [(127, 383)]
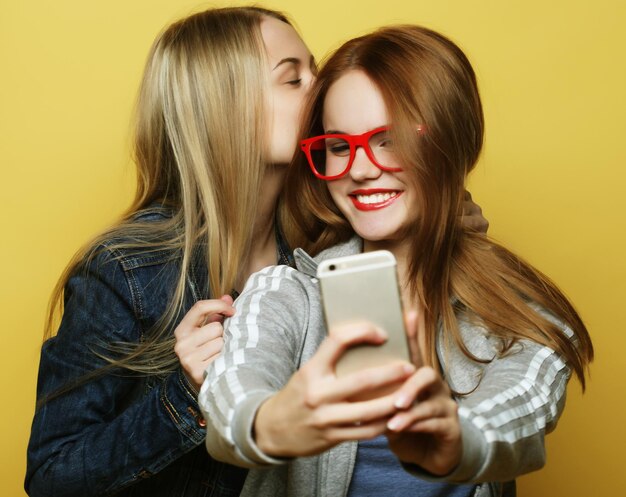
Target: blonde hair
[(199, 139), (426, 79)]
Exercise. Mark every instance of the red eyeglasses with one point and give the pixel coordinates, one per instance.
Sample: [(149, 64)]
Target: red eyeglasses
[(331, 156)]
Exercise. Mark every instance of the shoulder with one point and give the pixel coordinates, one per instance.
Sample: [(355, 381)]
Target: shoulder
[(135, 262), (139, 247), (308, 264), (277, 280), (524, 361), (280, 295), (142, 241)]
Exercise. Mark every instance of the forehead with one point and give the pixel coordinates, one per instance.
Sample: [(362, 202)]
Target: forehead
[(354, 104), (281, 41)]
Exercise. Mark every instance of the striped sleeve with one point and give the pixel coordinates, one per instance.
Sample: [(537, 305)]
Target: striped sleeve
[(518, 400), (261, 345)]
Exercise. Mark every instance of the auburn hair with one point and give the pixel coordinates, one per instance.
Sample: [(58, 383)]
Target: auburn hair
[(424, 78)]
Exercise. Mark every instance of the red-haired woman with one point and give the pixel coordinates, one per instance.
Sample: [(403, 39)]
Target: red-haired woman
[(393, 127)]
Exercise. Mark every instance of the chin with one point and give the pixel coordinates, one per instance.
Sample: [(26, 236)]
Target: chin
[(381, 235)]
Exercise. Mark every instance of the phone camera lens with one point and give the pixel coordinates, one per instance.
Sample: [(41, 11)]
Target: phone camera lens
[(332, 267)]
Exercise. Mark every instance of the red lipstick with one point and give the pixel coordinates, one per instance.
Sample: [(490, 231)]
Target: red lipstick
[(374, 205)]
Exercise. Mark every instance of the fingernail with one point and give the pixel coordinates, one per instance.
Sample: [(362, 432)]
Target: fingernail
[(402, 402), (408, 368), (381, 333), (394, 424)]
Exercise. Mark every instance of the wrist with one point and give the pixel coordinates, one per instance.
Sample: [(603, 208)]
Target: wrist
[(190, 384), (262, 430)]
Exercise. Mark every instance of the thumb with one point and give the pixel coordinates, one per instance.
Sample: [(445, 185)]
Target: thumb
[(342, 337), (410, 322), (220, 317), (414, 323), (227, 298)]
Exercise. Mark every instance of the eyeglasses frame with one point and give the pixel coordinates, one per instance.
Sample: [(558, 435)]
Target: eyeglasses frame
[(354, 141)]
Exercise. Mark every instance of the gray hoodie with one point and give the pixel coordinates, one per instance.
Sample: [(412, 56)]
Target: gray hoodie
[(514, 401)]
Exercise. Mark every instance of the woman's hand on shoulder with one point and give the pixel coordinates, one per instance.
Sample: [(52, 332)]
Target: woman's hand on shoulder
[(199, 336), (313, 413), (472, 216)]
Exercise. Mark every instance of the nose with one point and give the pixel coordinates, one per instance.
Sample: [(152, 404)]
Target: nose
[(309, 76), (363, 168), (311, 81)]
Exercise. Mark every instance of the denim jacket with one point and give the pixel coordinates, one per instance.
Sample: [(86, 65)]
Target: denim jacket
[(121, 434)]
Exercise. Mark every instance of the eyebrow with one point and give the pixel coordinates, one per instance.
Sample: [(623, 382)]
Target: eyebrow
[(339, 132), (294, 60), (287, 60)]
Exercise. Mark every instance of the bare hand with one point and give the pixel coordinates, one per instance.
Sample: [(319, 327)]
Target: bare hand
[(199, 336), (427, 432), (312, 412), (472, 217)]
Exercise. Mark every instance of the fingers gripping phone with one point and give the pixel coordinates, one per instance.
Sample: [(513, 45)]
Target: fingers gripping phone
[(365, 287)]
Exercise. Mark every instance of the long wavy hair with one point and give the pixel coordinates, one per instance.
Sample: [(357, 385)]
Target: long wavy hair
[(198, 147), (426, 79)]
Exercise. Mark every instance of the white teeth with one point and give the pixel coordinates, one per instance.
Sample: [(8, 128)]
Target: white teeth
[(376, 198)]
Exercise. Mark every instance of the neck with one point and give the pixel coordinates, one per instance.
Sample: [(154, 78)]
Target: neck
[(401, 251), (263, 246)]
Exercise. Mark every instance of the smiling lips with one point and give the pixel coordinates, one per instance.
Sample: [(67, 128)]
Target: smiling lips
[(369, 200)]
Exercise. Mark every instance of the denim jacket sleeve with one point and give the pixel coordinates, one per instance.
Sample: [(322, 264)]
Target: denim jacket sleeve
[(114, 429)]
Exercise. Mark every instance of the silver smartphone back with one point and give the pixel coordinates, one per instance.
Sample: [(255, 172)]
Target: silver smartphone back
[(365, 287)]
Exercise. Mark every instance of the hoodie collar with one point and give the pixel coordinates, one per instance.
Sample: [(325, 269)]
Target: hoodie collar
[(308, 265)]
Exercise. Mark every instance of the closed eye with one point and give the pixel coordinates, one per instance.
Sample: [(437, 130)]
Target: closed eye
[(340, 148), (381, 140)]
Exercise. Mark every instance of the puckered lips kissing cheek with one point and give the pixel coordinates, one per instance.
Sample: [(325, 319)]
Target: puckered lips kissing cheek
[(370, 199)]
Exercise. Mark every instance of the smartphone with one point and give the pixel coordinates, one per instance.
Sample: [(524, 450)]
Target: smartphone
[(365, 287)]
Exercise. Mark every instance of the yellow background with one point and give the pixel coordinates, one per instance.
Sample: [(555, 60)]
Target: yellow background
[(551, 179)]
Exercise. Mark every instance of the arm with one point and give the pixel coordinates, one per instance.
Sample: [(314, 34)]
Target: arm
[(111, 431), (316, 410), (262, 343), (259, 407), (503, 422)]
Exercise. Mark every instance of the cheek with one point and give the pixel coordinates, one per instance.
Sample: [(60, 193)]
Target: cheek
[(279, 136), (286, 123), (286, 112), (338, 197), (410, 207)]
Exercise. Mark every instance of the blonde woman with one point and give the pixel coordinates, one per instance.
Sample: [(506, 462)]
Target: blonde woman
[(217, 119), (142, 304), (393, 128)]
